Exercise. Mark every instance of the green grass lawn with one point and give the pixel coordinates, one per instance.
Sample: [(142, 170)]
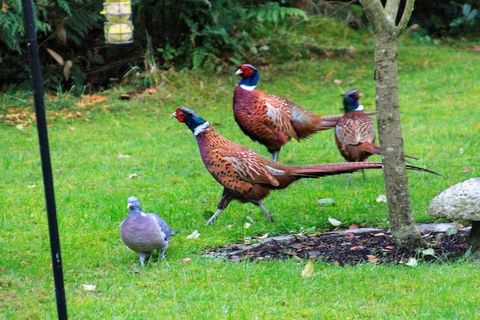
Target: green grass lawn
[(439, 95)]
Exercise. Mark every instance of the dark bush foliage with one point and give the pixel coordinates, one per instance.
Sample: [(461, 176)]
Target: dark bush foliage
[(186, 33)]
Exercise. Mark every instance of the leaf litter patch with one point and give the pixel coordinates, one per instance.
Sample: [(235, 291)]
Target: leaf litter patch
[(444, 242)]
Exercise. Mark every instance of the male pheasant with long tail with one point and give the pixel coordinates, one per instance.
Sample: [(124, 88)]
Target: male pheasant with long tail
[(272, 120), (354, 132), (245, 175)]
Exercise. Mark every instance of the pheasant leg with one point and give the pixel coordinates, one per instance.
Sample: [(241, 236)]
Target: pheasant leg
[(221, 206)]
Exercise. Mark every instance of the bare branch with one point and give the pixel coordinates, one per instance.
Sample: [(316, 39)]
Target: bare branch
[(407, 13), (391, 9), (376, 16)]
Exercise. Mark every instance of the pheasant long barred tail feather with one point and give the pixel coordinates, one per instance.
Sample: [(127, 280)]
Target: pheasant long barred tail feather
[(333, 169)]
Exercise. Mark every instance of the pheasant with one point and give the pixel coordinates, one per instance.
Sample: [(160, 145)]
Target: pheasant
[(272, 120), (354, 132), (245, 175)]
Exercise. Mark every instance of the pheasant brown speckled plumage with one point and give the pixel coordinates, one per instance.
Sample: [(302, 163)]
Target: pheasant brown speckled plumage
[(354, 132), (245, 175), (272, 120)]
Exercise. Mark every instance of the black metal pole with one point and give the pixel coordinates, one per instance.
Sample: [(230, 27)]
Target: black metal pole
[(45, 156)]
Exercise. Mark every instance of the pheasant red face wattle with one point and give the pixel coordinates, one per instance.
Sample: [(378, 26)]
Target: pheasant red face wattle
[(180, 115)]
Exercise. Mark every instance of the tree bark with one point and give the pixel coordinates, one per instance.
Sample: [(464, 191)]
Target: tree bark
[(402, 223), (383, 22)]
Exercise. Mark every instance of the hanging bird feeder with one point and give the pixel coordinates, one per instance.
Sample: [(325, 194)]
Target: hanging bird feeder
[(118, 27)]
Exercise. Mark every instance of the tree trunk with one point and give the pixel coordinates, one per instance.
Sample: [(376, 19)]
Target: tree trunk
[(402, 223)]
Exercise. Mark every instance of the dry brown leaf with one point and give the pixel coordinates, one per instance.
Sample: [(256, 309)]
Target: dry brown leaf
[(355, 248), (372, 259), (353, 227), (151, 90), (186, 260)]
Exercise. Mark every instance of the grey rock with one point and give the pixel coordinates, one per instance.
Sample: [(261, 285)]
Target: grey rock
[(144, 232), (460, 201)]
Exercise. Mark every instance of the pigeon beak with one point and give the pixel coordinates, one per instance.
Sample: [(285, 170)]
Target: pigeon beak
[(129, 206), (238, 72)]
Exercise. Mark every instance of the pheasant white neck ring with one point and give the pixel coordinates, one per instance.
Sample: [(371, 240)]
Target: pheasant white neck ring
[(248, 88), (201, 128), (359, 108)]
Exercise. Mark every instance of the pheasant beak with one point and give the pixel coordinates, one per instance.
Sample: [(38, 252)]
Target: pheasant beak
[(238, 72), (173, 115)]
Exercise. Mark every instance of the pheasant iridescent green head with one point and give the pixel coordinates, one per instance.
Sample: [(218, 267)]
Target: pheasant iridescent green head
[(250, 76), (350, 101), (193, 121)]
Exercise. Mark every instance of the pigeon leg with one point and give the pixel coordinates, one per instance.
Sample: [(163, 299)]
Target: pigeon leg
[(226, 198), (162, 252), (275, 155), (142, 257), (265, 211)]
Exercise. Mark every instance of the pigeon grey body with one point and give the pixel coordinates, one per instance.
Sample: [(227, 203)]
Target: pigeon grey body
[(144, 232)]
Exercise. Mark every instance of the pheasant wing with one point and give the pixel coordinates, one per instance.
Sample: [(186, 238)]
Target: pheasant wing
[(280, 114), (249, 166), (352, 131)]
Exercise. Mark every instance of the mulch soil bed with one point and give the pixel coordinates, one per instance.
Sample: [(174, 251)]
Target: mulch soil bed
[(347, 248)]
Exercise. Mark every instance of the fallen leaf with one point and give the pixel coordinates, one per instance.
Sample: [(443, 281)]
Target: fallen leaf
[(194, 235), (381, 198), (72, 128), (123, 156), (186, 260), (334, 222), (151, 90), (428, 252), (461, 150), (412, 262), (467, 170), (88, 287), (247, 225), (31, 186), (309, 269), (372, 259), (337, 81), (326, 202), (265, 236), (356, 248), (353, 227), (20, 126), (132, 176), (125, 96), (137, 270), (380, 234), (476, 48)]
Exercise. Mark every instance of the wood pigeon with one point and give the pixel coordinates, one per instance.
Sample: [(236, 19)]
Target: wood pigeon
[(144, 232)]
